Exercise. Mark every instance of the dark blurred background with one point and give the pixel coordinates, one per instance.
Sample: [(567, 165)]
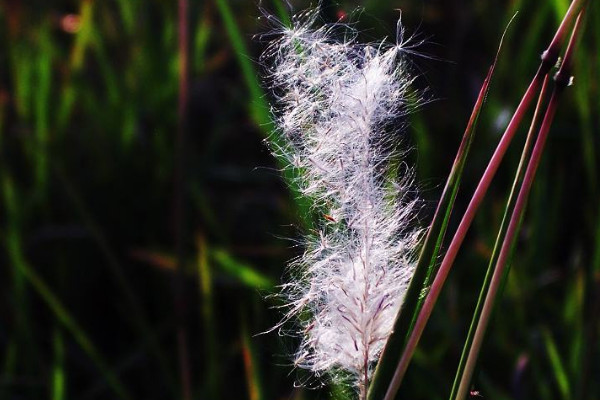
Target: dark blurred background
[(144, 223)]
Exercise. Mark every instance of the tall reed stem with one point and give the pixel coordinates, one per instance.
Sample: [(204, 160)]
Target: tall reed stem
[(549, 58), (562, 79), (529, 142)]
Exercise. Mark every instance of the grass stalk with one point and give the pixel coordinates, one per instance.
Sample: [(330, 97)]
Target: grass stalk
[(429, 253), (460, 234), (259, 109), (251, 365), (461, 373), (549, 58), (562, 79)]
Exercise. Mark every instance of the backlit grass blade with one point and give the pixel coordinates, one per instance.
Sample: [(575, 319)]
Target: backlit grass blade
[(42, 101), (258, 107), (200, 39), (562, 79), (241, 271), (282, 13), (549, 58)]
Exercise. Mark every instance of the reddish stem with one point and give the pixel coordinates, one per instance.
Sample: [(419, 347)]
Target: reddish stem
[(562, 79), (549, 58), (461, 232), (505, 249)]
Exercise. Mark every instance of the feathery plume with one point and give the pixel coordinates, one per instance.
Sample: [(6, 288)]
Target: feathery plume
[(337, 100)]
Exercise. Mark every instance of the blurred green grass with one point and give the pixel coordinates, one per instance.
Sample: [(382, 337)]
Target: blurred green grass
[(88, 115)]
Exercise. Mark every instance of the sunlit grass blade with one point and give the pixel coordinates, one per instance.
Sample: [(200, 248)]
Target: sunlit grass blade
[(510, 204), (282, 13), (42, 109), (241, 271), (258, 107), (222, 261), (201, 38), (127, 11), (84, 36), (427, 262), (81, 44)]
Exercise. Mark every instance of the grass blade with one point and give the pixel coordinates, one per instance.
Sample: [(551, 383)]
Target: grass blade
[(557, 365), (549, 58), (243, 272), (259, 108)]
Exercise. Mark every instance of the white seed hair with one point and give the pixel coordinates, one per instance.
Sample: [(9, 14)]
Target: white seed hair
[(336, 102)]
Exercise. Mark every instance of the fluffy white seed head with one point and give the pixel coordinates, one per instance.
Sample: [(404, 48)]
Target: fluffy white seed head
[(336, 102)]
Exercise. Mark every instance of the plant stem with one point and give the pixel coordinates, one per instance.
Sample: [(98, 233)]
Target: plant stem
[(549, 58), (460, 234), (460, 372), (562, 79), (425, 268)]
